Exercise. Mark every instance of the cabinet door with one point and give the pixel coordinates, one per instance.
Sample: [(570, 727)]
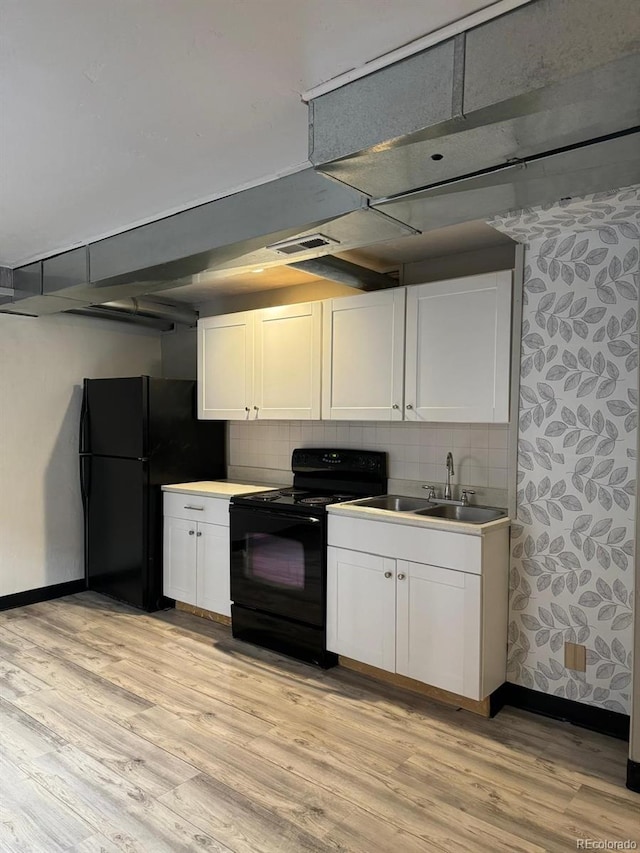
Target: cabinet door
[(438, 627), (225, 367), (458, 350), (214, 583), (363, 357), (361, 607), (179, 560), (287, 362)]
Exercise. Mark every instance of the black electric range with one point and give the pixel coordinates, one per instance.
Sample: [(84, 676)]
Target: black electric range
[(279, 548)]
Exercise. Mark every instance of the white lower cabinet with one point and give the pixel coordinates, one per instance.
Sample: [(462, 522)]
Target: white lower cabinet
[(179, 561), (213, 579), (362, 607), (438, 626), (196, 559), (444, 626)]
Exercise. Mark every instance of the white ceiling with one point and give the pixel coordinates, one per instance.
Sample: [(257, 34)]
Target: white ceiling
[(115, 112)]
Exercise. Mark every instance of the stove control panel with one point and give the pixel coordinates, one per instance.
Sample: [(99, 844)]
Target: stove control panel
[(348, 462)]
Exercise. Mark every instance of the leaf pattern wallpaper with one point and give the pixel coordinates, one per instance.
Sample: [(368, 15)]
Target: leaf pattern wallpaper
[(572, 544)]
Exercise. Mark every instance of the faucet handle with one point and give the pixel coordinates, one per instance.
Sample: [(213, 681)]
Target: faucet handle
[(465, 496), (432, 492)]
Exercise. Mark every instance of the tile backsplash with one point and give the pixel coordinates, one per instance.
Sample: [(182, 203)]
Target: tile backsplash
[(417, 452)]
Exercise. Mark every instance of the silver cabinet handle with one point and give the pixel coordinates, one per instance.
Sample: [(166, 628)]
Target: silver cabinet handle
[(247, 409), (255, 408), (409, 406), (395, 406), (198, 508), (191, 532), (401, 576), (199, 533), (387, 574)]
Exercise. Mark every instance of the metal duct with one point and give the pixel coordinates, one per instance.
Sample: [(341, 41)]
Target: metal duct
[(344, 272), (547, 76), (143, 312), (98, 312), (158, 310), (591, 168), (232, 233)]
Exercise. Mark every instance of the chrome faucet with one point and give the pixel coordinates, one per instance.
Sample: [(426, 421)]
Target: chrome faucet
[(450, 473)]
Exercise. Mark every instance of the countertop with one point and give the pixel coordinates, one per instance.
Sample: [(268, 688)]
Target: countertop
[(411, 519), (216, 488)]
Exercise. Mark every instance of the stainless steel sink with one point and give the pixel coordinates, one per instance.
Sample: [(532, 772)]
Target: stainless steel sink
[(467, 514), (397, 503)]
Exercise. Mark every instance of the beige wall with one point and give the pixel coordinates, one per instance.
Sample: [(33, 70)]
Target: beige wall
[(44, 361)]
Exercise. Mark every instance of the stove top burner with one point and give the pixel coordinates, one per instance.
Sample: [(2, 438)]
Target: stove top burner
[(291, 493), (317, 501), (268, 496)]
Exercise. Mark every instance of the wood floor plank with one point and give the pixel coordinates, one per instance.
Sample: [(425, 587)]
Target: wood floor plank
[(294, 799), (63, 643), (95, 844), (145, 765), (231, 723), (241, 821), (603, 817), (23, 738), (353, 778), (115, 808), (160, 732), (514, 811), (34, 821), (88, 687), (11, 642), (15, 682)]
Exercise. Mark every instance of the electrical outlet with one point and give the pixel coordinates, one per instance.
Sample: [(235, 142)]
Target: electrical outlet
[(575, 657)]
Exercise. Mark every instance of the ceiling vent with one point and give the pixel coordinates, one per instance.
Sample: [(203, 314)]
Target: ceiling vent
[(306, 244)]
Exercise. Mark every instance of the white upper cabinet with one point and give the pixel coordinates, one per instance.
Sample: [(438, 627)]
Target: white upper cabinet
[(428, 352), (363, 356), (225, 367), (287, 362), (261, 364), (458, 347)]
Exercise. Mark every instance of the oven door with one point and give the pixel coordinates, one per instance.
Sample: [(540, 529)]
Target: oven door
[(278, 563)]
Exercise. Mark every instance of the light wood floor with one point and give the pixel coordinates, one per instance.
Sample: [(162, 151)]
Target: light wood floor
[(127, 732)]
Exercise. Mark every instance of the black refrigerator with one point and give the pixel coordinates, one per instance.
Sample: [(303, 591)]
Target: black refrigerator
[(137, 434)]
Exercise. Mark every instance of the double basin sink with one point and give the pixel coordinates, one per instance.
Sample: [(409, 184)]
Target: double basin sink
[(432, 509)]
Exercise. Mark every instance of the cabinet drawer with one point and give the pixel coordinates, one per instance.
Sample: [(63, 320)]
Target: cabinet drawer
[(196, 508), (450, 550)]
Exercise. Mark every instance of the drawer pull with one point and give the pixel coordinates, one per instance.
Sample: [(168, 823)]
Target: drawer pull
[(191, 532), (387, 574), (401, 577), (199, 508)]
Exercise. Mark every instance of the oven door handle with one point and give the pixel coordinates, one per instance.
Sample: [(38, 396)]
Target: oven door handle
[(288, 515)]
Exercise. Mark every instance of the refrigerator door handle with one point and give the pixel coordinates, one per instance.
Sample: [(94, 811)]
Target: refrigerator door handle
[(84, 411), (85, 481)]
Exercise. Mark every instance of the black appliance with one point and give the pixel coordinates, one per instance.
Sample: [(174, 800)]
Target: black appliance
[(279, 550), (137, 434)]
